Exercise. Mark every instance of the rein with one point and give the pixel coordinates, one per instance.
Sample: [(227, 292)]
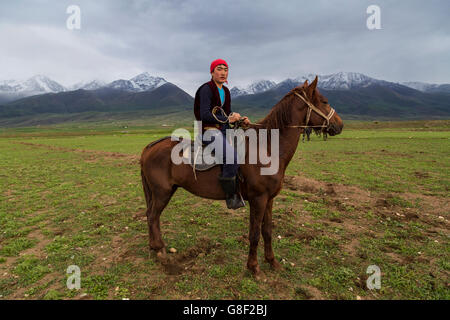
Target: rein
[(311, 108), (214, 110), (320, 113)]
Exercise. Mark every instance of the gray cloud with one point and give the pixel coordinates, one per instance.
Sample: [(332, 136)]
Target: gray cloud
[(259, 39)]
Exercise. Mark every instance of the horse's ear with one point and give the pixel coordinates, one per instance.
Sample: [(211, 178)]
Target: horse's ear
[(305, 84), (312, 87)]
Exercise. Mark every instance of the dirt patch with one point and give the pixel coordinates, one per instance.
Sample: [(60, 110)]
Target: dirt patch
[(345, 193), (49, 279), (308, 236), (220, 259), (132, 159), (420, 174), (432, 210), (382, 152), (308, 292), (176, 264), (352, 246), (38, 249)]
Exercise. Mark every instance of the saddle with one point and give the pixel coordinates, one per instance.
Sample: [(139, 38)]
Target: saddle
[(195, 156), (199, 165)]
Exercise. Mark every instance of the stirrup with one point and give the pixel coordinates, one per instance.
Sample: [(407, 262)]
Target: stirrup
[(233, 198), (235, 201)]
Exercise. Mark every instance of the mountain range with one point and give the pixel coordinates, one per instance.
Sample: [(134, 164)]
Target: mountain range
[(11, 90), (358, 96), (428, 87), (354, 95), (15, 89), (336, 81)]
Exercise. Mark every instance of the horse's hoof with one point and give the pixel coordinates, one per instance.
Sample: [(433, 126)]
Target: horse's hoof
[(255, 270), (275, 265), (161, 254), (259, 275)]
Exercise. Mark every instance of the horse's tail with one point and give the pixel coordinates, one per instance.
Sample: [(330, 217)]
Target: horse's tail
[(147, 191), (145, 185)]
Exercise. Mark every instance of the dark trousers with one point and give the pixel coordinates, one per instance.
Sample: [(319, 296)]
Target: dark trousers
[(229, 169)]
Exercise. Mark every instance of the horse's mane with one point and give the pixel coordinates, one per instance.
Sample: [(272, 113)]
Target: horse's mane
[(280, 115)]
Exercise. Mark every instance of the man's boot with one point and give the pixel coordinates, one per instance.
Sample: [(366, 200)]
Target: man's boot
[(230, 186)]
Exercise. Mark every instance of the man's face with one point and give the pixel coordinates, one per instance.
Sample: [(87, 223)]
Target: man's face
[(220, 73)]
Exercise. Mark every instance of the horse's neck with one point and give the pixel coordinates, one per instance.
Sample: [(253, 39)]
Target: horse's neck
[(289, 137), (288, 145)]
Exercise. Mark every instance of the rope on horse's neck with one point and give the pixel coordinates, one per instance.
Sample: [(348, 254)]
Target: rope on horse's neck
[(308, 115), (311, 107)]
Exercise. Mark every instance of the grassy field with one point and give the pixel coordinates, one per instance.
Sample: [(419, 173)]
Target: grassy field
[(378, 194)]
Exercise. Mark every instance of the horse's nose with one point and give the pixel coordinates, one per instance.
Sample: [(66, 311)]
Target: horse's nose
[(334, 129)]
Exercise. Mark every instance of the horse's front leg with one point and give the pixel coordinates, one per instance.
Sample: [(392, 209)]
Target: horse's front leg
[(267, 236), (257, 208)]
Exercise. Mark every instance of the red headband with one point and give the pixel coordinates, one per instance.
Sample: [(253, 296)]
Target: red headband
[(215, 63)]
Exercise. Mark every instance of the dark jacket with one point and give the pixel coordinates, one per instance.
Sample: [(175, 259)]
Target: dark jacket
[(206, 98)]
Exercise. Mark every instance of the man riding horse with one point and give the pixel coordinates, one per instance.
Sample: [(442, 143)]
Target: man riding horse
[(209, 96)]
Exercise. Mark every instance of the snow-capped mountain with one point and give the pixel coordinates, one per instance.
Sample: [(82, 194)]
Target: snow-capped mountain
[(39, 84), (335, 81), (147, 82), (341, 80), (11, 90), (34, 85), (421, 86), (88, 85), (142, 82), (427, 87), (125, 85), (256, 87)]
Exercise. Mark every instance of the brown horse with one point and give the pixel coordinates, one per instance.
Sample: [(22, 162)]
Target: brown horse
[(161, 177)]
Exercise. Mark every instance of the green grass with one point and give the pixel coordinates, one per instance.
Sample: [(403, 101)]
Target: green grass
[(386, 160), (63, 207)]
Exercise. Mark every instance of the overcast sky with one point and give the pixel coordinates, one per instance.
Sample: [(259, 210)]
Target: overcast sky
[(259, 39)]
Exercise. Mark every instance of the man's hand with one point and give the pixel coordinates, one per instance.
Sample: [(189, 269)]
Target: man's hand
[(233, 117), (246, 120)]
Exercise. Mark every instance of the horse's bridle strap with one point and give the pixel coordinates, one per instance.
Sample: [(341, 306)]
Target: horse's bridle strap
[(313, 107)]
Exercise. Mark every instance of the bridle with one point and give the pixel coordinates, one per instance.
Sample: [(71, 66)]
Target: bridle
[(311, 108)]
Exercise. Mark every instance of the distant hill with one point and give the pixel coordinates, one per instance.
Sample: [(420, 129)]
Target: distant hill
[(11, 90), (100, 100), (358, 96), (255, 87), (353, 95), (428, 87)]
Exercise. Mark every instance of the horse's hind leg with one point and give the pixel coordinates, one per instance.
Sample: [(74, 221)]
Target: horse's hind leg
[(267, 236), (160, 198)]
